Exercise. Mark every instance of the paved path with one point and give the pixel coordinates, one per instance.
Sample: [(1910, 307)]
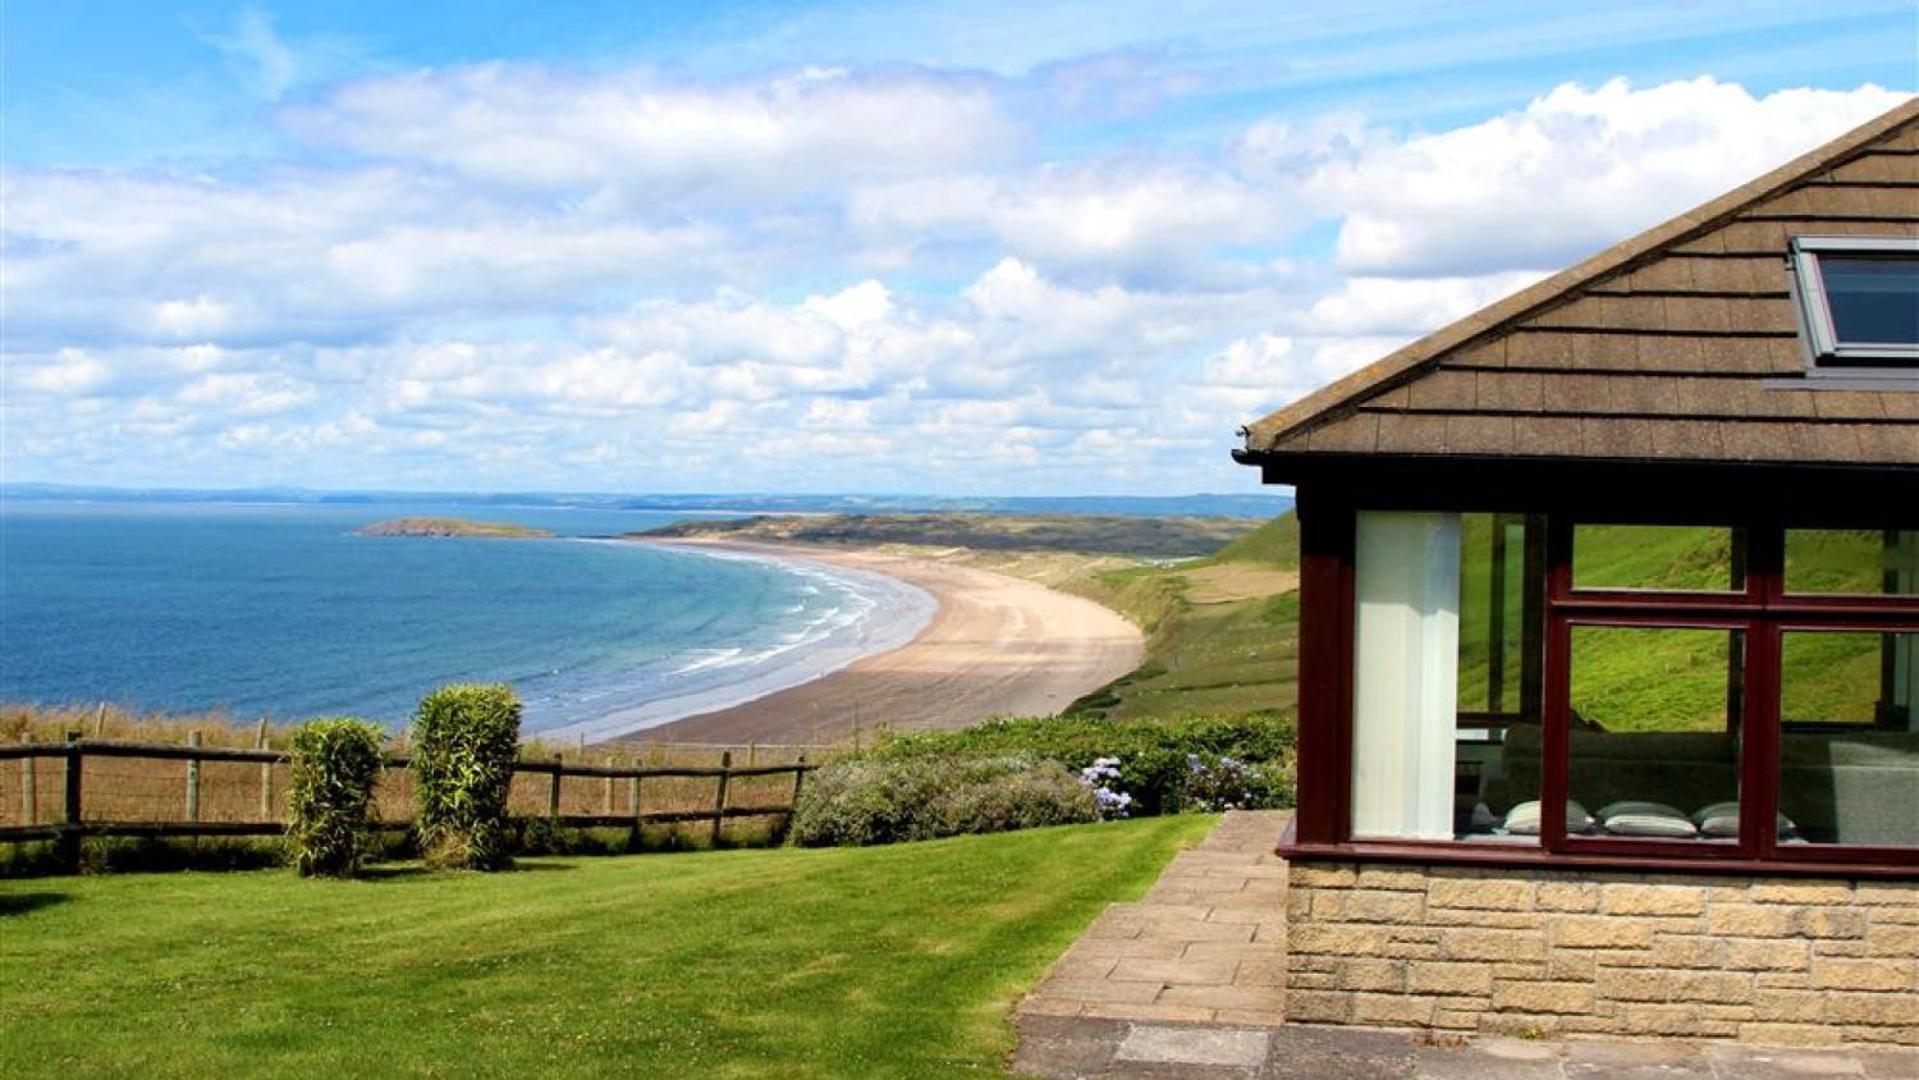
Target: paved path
[(1207, 943), (1189, 983)]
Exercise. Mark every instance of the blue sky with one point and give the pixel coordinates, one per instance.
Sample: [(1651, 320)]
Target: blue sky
[(979, 247)]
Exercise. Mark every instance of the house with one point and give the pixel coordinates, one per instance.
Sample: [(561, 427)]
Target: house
[(1610, 634)]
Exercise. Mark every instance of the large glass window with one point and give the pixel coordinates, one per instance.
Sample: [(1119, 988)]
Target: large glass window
[(1445, 712), (1849, 747), (1654, 749), (1883, 561), (1668, 558)]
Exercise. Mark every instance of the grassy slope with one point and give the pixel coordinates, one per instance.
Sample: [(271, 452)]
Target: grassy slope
[(896, 961), (1231, 657)]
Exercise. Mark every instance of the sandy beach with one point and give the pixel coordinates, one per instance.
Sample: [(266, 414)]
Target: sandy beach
[(997, 646)]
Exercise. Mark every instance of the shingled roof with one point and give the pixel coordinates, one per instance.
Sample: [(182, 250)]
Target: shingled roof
[(1680, 344)]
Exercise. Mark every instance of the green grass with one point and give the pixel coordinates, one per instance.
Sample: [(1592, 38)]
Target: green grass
[(884, 962)]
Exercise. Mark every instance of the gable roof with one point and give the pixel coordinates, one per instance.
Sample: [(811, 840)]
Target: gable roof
[(1678, 344)]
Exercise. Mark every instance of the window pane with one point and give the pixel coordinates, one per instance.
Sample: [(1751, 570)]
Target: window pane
[(1441, 693), (1654, 750), (1672, 557), (1852, 561), (1849, 751), (1874, 300)]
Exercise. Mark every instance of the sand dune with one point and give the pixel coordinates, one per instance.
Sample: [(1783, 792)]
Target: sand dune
[(997, 646)]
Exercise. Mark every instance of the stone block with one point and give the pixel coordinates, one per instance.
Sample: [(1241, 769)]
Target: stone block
[(1543, 997), (1862, 974), (1397, 1009), (1319, 1007), (1335, 940), (1566, 896), (1370, 974), (1322, 876), (1767, 955), (1621, 899), (1357, 905), (1752, 920), (1446, 977), (1472, 944), (1600, 932), (1495, 894), (1800, 892), (1894, 1009)]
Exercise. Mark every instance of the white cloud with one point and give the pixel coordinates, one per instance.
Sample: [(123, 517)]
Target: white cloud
[(519, 277), (1536, 189), (640, 133)]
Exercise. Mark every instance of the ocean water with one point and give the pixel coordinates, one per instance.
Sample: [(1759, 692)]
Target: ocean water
[(280, 611)]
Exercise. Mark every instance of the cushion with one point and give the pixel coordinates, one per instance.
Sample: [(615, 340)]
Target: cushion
[(1523, 819), (1720, 821), (1636, 818)]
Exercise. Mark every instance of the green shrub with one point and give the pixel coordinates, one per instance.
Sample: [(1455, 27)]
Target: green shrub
[(868, 801), (1154, 755), (466, 741), (335, 764)]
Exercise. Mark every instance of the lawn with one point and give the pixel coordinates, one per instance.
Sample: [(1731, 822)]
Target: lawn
[(896, 961)]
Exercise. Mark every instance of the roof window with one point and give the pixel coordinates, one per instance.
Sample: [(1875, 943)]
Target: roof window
[(1859, 300)]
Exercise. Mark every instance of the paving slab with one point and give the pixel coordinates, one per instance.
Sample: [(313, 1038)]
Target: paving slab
[(1188, 983)]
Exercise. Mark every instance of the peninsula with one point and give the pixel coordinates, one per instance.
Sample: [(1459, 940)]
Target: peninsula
[(449, 528)]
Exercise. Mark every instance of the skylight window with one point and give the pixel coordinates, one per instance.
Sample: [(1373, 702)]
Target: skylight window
[(1859, 298)]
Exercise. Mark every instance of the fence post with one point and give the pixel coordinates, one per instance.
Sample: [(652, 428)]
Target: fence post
[(100, 720), (29, 785), (752, 754), (633, 798), (266, 774), (553, 789), (193, 779), (799, 778), (69, 846), (606, 798), (719, 801)]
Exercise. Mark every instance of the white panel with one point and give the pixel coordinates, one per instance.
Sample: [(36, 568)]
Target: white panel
[(1405, 674)]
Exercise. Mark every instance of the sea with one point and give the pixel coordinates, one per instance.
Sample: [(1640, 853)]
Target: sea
[(281, 611)]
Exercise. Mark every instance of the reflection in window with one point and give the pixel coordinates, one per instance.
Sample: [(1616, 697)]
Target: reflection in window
[(1882, 561), (1849, 748), (1654, 746), (1665, 557)]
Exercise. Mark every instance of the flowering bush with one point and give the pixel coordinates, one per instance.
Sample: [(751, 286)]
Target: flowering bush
[(1214, 784), (1103, 778), (883, 802)]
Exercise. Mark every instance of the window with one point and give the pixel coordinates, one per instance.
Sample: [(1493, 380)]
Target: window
[(1848, 746), (1739, 692), (1445, 711), (1852, 561), (1859, 300), (1670, 558), (1654, 744)]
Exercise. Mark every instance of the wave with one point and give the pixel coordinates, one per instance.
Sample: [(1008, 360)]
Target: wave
[(867, 613)]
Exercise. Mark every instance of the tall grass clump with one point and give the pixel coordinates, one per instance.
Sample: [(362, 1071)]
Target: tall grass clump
[(870, 801), (335, 764), (466, 740)]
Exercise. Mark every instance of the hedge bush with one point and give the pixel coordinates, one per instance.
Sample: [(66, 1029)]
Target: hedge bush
[(868, 801), (466, 741), (1155, 756), (335, 764)]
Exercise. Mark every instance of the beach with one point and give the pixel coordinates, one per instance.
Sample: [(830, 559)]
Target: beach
[(996, 646)]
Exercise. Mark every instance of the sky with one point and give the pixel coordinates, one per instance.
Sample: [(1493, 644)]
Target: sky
[(941, 248)]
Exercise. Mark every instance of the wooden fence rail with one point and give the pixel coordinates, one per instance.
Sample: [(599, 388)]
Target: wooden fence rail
[(74, 824)]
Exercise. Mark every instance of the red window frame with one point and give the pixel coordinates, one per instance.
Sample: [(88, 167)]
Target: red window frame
[(1761, 608)]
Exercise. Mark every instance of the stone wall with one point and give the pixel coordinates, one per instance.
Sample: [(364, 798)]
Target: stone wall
[(1772, 960)]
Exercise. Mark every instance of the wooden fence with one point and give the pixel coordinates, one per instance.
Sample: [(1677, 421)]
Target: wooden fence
[(71, 821)]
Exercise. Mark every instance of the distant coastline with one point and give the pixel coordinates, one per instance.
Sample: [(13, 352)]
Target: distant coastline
[(442, 528)]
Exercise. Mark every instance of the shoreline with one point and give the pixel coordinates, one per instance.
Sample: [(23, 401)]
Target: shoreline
[(887, 613), (995, 646)]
